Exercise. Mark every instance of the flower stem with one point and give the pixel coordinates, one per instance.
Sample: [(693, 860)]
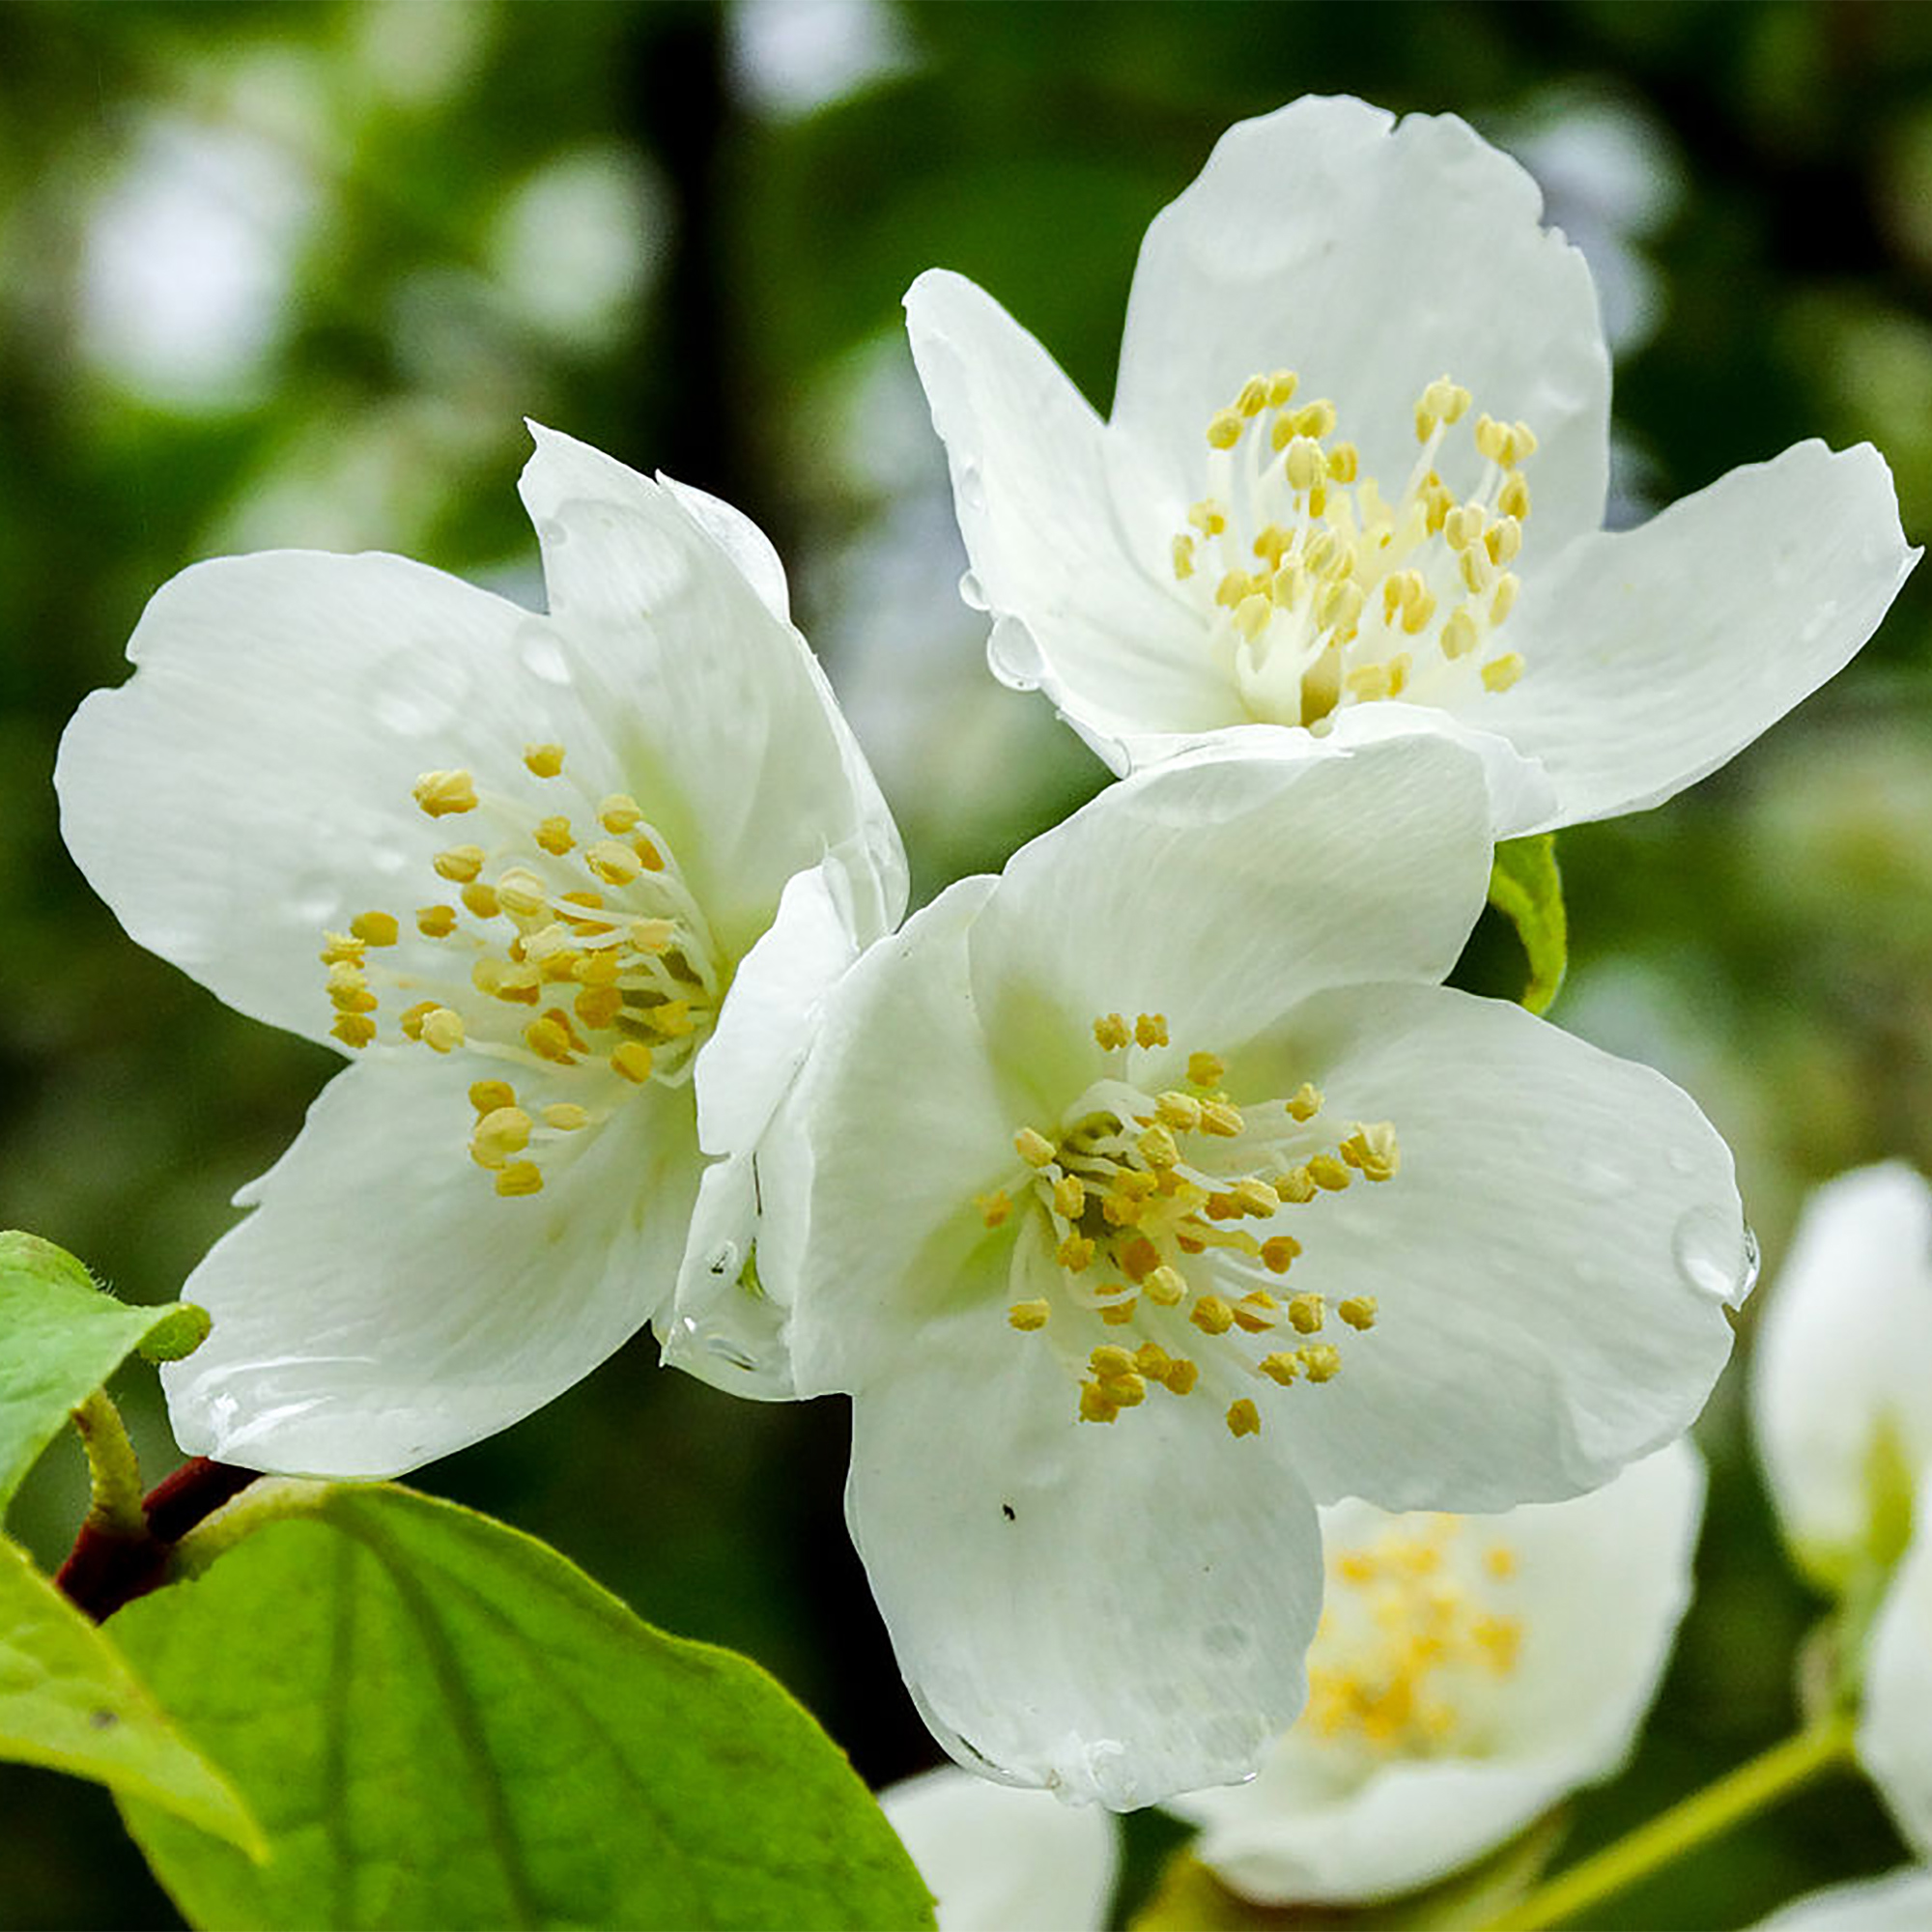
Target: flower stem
[(1703, 1815), (114, 1473)]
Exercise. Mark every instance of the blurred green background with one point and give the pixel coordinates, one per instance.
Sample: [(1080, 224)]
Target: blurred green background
[(291, 274)]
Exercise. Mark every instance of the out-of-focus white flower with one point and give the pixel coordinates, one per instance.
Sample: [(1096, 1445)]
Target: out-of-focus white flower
[(1894, 1736), (1447, 1708), (1152, 1192), (1346, 547), (1000, 1860), (532, 873), (1841, 1371), (1901, 1901)]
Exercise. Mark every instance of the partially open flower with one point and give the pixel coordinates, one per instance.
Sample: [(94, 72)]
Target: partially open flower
[(1152, 1192), (510, 865), (1353, 485), (1447, 1706)]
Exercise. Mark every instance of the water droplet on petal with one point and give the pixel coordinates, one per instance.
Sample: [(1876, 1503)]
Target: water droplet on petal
[(542, 656), (967, 487), (1716, 1254), (970, 592)]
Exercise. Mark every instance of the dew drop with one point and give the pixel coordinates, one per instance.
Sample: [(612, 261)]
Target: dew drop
[(969, 488), (970, 592), (542, 656), (1715, 1254)]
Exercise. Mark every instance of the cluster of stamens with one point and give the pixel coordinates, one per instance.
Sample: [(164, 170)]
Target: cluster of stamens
[(1161, 1221), (1410, 1627), (1319, 591), (568, 951)]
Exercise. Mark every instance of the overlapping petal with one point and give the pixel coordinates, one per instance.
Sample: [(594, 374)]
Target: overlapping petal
[(1895, 1737)]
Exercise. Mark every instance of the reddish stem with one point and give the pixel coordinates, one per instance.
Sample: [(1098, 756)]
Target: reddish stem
[(104, 1570)]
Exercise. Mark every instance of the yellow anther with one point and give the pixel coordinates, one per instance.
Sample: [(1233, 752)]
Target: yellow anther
[(521, 894), (994, 1208), (1165, 1287), (520, 1177), (342, 949), (1205, 1069), (1321, 1361), (1306, 1313), (1033, 1148), (1109, 1360), (1251, 616), (1027, 1316), (1279, 1367), (1368, 682), (1075, 1253), (1344, 463), (440, 793), (1512, 499), (1111, 1031), (1326, 1171), (620, 813), (1316, 418), (1209, 516), (633, 1061), (1254, 396), (1478, 573), (481, 899), (1224, 430), (1374, 1150), (1256, 1197), (1069, 1196), (1255, 1313), (356, 998), (1503, 539), (550, 1040), (1500, 1561), (498, 979), (459, 865), (1502, 599), (1492, 438), (353, 1028), (375, 928), (1269, 543), (545, 760), (1339, 606), (598, 1006), (555, 836), (566, 1115), (1463, 526), (1217, 1117), (1278, 1253), (1232, 587), (1095, 1405), (1500, 1640), (1157, 1146), (1117, 1314), (1243, 1418), (443, 1030), (1460, 635), (1358, 1311), (1184, 558), (487, 1095), (614, 864), (411, 1019), (436, 922), (1178, 1110), (1522, 440), (500, 1133), (1415, 615), (1297, 1186), (1154, 1361), (1138, 1258), (1282, 386), (1211, 1315), (1304, 464), (1499, 673), (1181, 1375), (1305, 1102)]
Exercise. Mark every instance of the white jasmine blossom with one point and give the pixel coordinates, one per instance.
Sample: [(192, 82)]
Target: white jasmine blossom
[(999, 1859), (1894, 1735), (1155, 1191), (1841, 1371), (1446, 1708), (1353, 485), (521, 869)]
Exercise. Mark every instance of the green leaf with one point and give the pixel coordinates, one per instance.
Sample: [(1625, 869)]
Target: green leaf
[(440, 1721), (69, 1701), (64, 1338), (1528, 889)]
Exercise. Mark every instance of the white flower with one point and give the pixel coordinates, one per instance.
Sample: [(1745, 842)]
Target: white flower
[(1347, 545), (1841, 1371), (1003, 1860), (1894, 1736), (1447, 1706), (1152, 1192), (509, 864), (1900, 1901)]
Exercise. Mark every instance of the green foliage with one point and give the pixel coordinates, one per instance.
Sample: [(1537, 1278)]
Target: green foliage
[(68, 1701), (1526, 888), (63, 1339), (440, 1722)]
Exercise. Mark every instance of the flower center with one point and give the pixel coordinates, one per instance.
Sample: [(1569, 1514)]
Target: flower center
[(570, 954), (1415, 1633), (1319, 591), (1146, 1205)]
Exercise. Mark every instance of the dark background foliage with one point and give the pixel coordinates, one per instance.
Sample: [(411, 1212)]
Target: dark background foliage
[(287, 274)]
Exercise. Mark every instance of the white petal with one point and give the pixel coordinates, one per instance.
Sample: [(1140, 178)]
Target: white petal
[(1222, 888), (1005, 1860), (1552, 1261), (1894, 1741), (717, 708), (724, 1326), (1652, 656), (251, 785), (1901, 1901), (381, 1306), (1843, 1357), (1065, 530), (1064, 1610), (1372, 259), (748, 547), (1605, 1577)]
